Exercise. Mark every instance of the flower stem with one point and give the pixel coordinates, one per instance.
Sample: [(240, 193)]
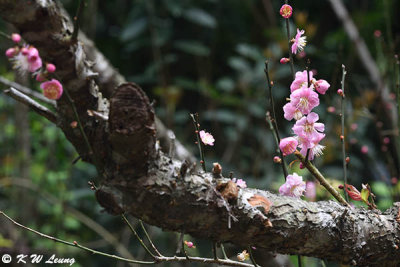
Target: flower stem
[(342, 116), (77, 19), (272, 120), (223, 251), (195, 118), (315, 172)]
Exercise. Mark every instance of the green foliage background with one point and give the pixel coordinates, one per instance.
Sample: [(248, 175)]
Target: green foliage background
[(206, 57)]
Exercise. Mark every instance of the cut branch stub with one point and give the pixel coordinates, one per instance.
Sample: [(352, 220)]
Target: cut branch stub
[(132, 130)]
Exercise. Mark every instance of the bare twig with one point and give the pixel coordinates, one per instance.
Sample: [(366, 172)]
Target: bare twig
[(35, 106), (342, 137), (27, 91), (73, 244), (156, 259), (273, 120)]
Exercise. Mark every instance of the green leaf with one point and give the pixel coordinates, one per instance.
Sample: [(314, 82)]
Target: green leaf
[(133, 29), (200, 17), (365, 195), (192, 47)]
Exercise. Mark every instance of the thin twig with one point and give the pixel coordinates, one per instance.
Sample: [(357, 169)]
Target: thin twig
[(273, 121), (223, 251), (157, 259), (27, 91), (197, 131), (289, 48), (35, 106), (137, 236), (342, 137), (315, 172), (299, 264), (74, 244), (252, 258), (214, 250), (149, 239), (77, 19)]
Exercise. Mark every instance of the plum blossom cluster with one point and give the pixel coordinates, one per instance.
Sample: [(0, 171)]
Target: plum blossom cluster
[(25, 59), (308, 131)]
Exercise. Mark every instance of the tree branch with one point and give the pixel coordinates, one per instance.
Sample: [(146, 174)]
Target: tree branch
[(35, 106)]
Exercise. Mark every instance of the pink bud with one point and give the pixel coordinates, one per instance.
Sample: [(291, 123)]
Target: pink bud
[(50, 68), (364, 149), (16, 38), (24, 51), (277, 159), (331, 109), (10, 52), (301, 165), (394, 180), (354, 126), (386, 140), (377, 33), (340, 92), (284, 60)]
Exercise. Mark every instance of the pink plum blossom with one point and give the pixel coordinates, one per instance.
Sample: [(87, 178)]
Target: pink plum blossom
[(240, 183), (311, 190), (321, 86), (207, 138), (286, 11), (300, 80), (308, 129), (189, 244), (290, 112), (304, 99), (288, 145), (313, 145), (299, 41), (52, 89), (293, 187)]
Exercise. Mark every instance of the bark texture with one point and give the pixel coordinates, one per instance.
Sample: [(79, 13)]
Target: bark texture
[(137, 177)]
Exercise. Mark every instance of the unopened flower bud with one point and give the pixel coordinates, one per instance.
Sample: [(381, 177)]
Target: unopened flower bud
[(284, 60), (277, 159), (340, 186), (16, 38), (10, 52), (347, 160), (340, 92), (50, 68)]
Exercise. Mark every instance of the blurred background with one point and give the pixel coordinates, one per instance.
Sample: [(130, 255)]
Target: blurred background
[(206, 57)]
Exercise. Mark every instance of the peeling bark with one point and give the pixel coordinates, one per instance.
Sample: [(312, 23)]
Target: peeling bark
[(140, 179)]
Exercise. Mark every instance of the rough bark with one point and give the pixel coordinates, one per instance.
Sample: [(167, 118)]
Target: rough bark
[(140, 179)]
